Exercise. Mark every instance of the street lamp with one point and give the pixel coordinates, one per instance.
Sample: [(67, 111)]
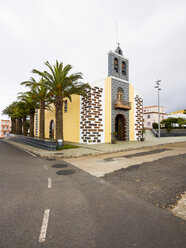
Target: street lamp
[(158, 88)]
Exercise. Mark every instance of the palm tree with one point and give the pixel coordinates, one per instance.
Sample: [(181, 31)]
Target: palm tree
[(30, 99), (23, 112), (42, 97), (9, 110), (18, 112), (61, 85)]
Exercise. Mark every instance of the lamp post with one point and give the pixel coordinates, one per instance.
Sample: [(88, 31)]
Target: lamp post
[(158, 88)]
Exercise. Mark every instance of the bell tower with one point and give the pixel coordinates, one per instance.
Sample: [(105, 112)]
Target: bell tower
[(118, 65)]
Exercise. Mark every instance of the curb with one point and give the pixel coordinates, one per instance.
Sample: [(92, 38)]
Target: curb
[(95, 153)]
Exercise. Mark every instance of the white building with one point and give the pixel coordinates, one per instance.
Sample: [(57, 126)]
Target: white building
[(179, 115), (150, 115)]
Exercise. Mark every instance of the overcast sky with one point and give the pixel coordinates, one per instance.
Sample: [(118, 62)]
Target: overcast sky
[(151, 33)]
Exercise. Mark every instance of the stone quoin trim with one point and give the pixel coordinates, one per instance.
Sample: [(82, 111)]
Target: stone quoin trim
[(138, 116), (91, 124)]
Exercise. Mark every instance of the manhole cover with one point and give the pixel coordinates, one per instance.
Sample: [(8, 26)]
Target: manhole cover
[(65, 172), (59, 166)]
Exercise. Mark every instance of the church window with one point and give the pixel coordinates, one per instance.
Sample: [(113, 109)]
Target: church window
[(116, 65), (120, 95), (123, 68), (65, 107)]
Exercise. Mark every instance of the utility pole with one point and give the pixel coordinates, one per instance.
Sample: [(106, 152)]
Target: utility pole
[(158, 88)]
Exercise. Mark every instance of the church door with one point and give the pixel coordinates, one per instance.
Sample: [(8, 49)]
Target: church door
[(51, 130), (120, 127)]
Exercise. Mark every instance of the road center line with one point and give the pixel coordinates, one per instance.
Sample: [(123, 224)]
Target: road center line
[(45, 166), (44, 226), (49, 183)]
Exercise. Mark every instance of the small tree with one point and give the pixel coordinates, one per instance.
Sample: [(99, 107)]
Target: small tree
[(168, 127)]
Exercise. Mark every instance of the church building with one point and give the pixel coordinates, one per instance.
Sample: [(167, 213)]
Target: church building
[(112, 108)]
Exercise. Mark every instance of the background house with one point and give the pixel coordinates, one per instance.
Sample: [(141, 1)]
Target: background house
[(150, 115), (176, 114), (5, 127)]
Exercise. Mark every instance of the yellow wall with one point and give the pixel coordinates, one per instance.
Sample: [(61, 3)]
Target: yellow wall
[(71, 120), (131, 113), (177, 112), (108, 110), (49, 115)]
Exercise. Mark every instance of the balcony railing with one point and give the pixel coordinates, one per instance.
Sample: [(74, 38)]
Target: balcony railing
[(122, 105)]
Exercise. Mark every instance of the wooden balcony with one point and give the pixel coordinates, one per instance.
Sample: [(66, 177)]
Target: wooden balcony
[(122, 105)]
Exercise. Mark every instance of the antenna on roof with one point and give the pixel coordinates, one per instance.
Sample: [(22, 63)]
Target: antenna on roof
[(116, 32)]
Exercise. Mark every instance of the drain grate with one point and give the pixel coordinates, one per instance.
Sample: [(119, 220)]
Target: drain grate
[(65, 172), (59, 166)]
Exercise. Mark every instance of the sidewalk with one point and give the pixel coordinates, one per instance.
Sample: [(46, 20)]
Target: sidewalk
[(97, 149)]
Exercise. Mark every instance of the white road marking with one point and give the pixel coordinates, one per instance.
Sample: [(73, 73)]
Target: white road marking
[(49, 183), (30, 153), (44, 226), (45, 166), (26, 151)]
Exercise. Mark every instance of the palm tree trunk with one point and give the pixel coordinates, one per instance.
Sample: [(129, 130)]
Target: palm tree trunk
[(24, 126), (59, 118), (42, 120), (32, 113), (19, 126), (13, 127)]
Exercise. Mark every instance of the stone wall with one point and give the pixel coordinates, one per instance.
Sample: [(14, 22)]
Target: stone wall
[(114, 87), (112, 72)]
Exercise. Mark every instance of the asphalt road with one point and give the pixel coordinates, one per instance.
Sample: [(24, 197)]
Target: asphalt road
[(80, 210), (160, 182)]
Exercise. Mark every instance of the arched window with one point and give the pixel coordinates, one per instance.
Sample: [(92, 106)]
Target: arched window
[(120, 95), (65, 106), (116, 65), (123, 68)]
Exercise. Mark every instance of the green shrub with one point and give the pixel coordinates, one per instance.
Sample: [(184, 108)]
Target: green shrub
[(155, 125)]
